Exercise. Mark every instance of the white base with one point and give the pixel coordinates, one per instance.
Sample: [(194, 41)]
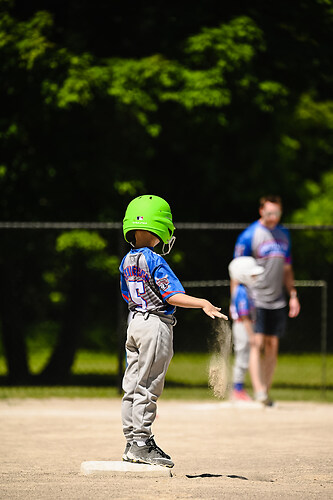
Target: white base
[(124, 468)]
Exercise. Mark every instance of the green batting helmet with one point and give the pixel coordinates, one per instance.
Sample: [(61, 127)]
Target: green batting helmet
[(150, 213)]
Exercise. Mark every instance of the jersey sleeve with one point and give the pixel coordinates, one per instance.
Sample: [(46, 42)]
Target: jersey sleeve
[(123, 288), (123, 284), (243, 245), (288, 258), (167, 281), (242, 303)]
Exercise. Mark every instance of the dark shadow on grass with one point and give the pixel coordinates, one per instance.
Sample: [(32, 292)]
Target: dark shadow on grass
[(86, 380), (101, 380), (306, 386), (83, 380)]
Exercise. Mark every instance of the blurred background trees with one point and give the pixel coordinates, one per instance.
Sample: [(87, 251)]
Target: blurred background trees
[(209, 105)]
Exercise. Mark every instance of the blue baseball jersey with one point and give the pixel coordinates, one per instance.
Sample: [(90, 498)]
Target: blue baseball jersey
[(272, 250), (241, 303), (147, 281)]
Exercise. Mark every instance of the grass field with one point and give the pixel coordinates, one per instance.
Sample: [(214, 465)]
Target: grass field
[(297, 378)]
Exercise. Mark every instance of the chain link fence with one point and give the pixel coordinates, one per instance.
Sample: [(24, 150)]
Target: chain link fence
[(59, 299)]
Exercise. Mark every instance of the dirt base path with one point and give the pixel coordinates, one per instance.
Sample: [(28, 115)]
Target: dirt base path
[(220, 451)]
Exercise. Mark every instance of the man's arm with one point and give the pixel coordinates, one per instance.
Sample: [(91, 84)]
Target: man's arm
[(233, 285), (288, 280)]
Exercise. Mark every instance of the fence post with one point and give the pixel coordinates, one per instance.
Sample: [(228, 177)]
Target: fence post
[(121, 320), (323, 338)]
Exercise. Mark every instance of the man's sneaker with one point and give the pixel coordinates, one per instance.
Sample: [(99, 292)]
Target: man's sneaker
[(150, 453), (125, 457), (268, 402), (263, 398), (241, 395)]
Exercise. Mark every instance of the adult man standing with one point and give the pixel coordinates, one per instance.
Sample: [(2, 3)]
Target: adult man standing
[(269, 243)]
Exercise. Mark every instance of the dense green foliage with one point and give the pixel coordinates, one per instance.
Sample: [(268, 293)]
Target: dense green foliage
[(91, 110), (209, 105)]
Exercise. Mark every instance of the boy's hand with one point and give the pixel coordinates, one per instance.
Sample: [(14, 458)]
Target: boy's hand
[(213, 312)]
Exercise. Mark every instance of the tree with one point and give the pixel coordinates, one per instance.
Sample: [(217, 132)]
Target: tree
[(317, 253)]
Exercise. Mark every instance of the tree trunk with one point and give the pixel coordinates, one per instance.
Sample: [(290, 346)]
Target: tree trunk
[(60, 363), (13, 325)]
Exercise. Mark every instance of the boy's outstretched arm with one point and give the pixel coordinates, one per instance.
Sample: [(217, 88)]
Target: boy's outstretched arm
[(184, 300)]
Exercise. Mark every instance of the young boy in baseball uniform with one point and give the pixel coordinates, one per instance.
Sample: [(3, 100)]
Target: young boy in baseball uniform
[(152, 292), (243, 272)]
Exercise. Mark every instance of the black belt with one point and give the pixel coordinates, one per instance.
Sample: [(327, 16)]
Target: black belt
[(171, 321)]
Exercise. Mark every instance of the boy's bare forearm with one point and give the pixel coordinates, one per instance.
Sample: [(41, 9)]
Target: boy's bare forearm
[(184, 300), (187, 301)]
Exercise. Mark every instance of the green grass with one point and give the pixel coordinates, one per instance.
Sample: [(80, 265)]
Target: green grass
[(297, 378)]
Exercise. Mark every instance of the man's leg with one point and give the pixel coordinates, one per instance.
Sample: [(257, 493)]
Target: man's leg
[(271, 349), (255, 367), (275, 329)]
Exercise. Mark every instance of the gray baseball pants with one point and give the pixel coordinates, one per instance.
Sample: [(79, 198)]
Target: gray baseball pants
[(149, 350), (241, 350)]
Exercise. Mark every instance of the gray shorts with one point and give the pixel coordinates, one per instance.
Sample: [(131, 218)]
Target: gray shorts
[(271, 321)]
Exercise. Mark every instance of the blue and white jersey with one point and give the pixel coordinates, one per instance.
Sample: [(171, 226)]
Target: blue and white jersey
[(147, 281), (241, 303), (272, 250)]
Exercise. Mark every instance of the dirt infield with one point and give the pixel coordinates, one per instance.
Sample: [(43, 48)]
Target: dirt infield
[(220, 451)]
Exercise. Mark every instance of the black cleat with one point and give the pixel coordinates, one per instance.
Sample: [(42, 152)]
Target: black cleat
[(150, 454)]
